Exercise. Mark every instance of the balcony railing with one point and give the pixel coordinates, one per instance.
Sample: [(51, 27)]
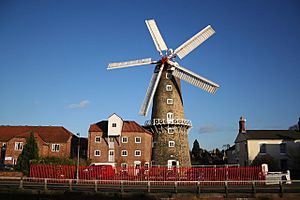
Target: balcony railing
[(158, 121)]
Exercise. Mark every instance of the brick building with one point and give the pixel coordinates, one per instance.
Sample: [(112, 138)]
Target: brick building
[(119, 142), (52, 141)]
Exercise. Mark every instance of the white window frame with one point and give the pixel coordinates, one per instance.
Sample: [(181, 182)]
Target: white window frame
[(123, 151), (96, 154), (97, 137), (137, 154), (18, 146), (171, 131), (169, 88), (124, 137), (136, 138), (285, 148), (124, 165), (169, 101), (171, 143), (55, 147)]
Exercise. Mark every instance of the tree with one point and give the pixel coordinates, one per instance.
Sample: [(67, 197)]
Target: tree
[(264, 159), (196, 149), (30, 152)]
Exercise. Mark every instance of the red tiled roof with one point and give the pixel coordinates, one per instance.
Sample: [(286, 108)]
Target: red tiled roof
[(128, 126), (50, 134)]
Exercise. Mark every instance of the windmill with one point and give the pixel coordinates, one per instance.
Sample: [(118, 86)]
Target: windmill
[(167, 121)]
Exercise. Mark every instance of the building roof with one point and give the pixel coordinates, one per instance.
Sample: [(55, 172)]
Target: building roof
[(128, 126), (268, 134), (49, 134)]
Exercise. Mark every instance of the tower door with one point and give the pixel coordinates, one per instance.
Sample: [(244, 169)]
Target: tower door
[(172, 164)]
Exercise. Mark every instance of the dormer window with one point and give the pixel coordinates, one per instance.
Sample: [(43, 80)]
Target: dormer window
[(114, 125)]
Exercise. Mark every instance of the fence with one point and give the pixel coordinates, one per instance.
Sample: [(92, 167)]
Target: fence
[(147, 174), (199, 187)]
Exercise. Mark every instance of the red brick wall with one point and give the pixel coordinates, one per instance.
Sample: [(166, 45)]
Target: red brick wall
[(145, 146), (45, 149)]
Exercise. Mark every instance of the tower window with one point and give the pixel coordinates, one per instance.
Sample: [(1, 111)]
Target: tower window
[(114, 125), (168, 75), (169, 101), (168, 88), (171, 144), (171, 130), (170, 117)]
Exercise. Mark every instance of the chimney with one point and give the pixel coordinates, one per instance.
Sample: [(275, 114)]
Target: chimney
[(242, 124)]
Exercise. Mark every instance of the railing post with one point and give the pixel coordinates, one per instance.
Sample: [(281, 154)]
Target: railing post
[(281, 188), (70, 184), (253, 188), (148, 185), (175, 186), (122, 186), (45, 185), (96, 187), (21, 184), (198, 187), (226, 189)]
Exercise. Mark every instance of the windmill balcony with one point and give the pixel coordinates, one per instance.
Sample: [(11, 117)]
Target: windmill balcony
[(157, 121)]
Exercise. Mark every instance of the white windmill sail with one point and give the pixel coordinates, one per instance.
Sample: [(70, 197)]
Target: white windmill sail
[(151, 91), (193, 78), (156, 36), (194, 42), (132, 63)]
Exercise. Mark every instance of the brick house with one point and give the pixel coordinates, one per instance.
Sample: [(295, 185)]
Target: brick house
[(52, 141), (120, 143)]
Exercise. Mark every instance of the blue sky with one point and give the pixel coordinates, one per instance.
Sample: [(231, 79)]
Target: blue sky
[(53, 58)]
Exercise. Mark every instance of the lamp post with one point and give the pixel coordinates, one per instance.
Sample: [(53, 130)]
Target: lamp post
[(78, 150)]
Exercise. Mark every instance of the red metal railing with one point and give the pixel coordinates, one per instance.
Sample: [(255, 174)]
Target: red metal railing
[(148, 174)]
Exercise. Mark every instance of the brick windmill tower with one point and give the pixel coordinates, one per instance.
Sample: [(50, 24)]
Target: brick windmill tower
[(168, 123)]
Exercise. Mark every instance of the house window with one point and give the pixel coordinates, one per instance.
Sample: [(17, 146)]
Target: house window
[(55, 147), (171, 144), (114, 125), (169, 101), (171, 130), (282, 148), (98, 139), (124, 165), (124, 153), (263, 148), (124, 139), (137, 153), (138, 139), (146, 165), (168, 88), (19, 146), (97, 153)]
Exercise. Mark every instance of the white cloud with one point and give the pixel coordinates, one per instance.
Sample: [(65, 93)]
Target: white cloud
[(81, 104)]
